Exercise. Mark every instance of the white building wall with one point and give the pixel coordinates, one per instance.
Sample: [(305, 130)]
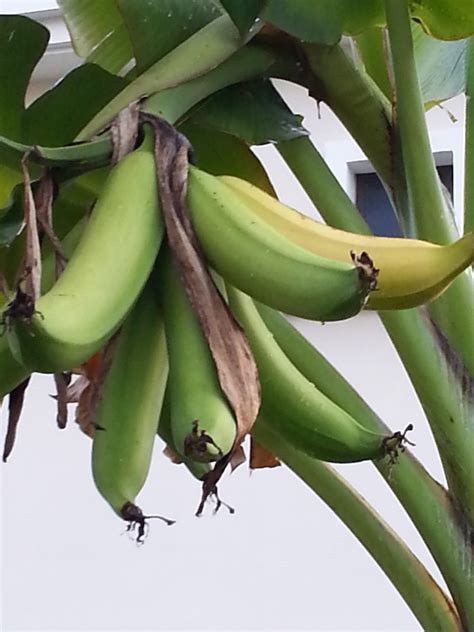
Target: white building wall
[(283, 561)]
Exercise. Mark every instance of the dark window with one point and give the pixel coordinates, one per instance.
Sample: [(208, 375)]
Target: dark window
[(373, 203)]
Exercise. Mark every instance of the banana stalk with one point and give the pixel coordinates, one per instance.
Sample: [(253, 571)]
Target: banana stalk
[(433, 609), (441, 378), (443, 528), (454, 311)]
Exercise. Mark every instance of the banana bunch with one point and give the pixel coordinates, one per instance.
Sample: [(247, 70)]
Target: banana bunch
[(120, 292)]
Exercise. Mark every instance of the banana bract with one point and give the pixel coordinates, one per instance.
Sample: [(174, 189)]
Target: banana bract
[(411, 272), (130, 407), (104, 276), (202, 424), (260, 261), (298, 410)]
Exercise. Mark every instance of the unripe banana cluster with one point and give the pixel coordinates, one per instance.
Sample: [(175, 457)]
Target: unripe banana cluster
[(120, 282)]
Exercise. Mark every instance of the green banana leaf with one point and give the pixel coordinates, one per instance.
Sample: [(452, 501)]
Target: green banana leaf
[(224, 154), (244, 14), (208, 48), (440, 64), (22, 43), (325, 21), (252, 111), (156, 28), (60, 114), (97, 32), (12, 219)]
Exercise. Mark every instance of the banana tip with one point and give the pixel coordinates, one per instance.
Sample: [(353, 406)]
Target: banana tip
[(138, 521)]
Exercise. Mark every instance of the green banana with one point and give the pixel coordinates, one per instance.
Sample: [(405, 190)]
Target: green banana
[(303, 414), (197, 469), (202, 423), (103, 278), (129, 408), (411, 272), (260, 261)]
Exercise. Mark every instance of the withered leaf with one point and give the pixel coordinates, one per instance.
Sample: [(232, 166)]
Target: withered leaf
[(236, 368), (62, 381), (76, 388), (260, 457), (32, 263), (44, 197), (15, 406), (172, 455), (124, 131), (89, 399)]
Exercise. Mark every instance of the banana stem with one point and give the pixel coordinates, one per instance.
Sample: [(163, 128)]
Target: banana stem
[(431, 213), (440, 391), (356, 100), (424, 597), (469, 142), (422, 178), (371, 46)]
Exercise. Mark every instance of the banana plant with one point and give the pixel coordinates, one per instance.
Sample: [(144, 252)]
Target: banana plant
[(184, 337)]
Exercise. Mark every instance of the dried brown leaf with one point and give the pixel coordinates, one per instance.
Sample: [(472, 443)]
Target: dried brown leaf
[(32, 263), (62, 381), (236, 368), (172, 455), (260, 457), (90, 397), (238, 458), (44, 197), (15, 406), (76, 388), (124, 131)]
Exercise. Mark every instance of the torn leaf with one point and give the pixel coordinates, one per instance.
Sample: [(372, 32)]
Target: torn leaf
[(260, 457)]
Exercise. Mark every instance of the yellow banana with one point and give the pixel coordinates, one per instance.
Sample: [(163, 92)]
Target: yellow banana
[(411, 272)]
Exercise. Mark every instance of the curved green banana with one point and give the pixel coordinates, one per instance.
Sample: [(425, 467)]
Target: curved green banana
[(129, 408), (411, 272), (202, 423), (104, 276), (304, 415), (12, 372), (197, 469), (260, 261)]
